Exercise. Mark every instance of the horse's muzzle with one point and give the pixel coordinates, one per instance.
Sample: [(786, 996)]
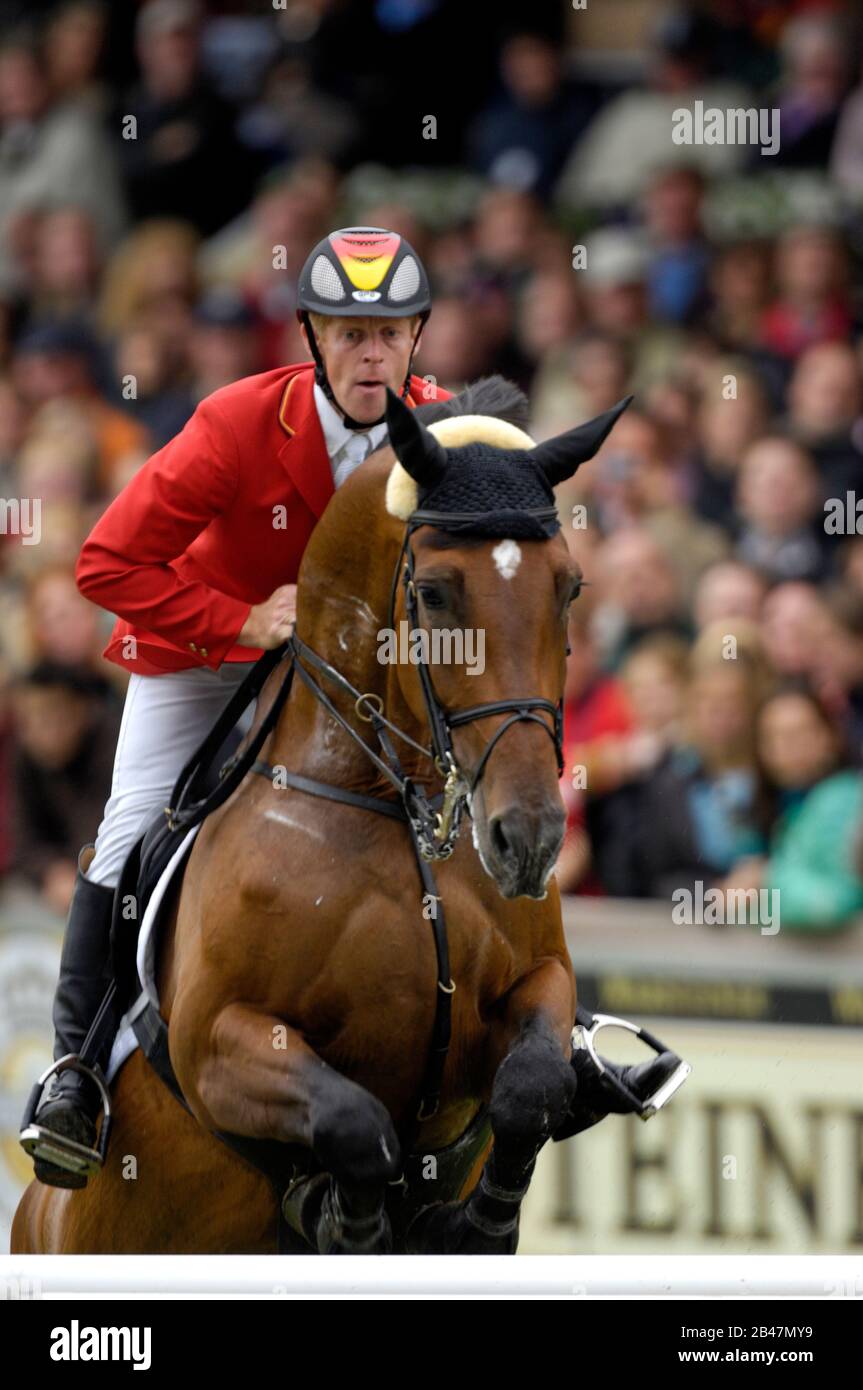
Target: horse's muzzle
[(521, 846)]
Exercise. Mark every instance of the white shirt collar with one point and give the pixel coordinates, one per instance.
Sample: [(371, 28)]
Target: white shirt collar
[(341, 442)]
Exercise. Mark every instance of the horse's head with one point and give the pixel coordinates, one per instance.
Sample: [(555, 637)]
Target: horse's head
[(489, 581)]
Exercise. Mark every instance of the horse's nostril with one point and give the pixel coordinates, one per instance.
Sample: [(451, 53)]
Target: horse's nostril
[(518, 838), (498, 835)]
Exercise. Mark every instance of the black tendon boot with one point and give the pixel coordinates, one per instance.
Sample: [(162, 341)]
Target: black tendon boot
[(70, 1109)]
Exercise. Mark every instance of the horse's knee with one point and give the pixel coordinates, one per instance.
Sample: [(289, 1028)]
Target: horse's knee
[(352, 1134), (533, 1089)]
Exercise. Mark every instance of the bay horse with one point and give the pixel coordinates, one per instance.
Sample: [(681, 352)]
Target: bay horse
[(299, 976)]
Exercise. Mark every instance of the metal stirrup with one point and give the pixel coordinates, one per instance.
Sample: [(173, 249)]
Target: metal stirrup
[(584, 1036), (42, 1143)]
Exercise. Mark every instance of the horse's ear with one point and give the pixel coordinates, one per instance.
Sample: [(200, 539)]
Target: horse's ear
[(559, 457), (416, 449)]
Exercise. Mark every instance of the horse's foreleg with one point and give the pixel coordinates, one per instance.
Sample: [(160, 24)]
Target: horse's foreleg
[(259, 1078), (531, 1094)]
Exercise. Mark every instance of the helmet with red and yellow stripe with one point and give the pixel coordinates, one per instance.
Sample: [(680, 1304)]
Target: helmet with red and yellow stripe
[(364, 271)]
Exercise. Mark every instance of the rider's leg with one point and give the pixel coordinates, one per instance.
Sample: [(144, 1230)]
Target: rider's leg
[(84, 978), (164, 719)]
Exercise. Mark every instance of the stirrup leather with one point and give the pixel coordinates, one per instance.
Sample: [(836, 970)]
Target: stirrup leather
[(44, 1144)]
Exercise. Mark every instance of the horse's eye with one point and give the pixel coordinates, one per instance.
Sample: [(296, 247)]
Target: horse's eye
[(575, 591), (432, 598)]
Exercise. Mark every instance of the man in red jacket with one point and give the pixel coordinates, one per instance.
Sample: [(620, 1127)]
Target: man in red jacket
[(198, 556)]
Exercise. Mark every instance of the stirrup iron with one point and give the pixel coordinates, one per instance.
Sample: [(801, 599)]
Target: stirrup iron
[(42, 1143), (584, 1036)]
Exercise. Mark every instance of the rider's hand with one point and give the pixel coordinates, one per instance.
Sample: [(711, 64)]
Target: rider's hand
[(271, 622)]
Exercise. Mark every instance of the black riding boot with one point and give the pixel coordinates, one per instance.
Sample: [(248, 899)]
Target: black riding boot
[(71, 1107)]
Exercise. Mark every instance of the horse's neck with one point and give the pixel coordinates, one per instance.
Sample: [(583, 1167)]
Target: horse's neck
[(342, 605)]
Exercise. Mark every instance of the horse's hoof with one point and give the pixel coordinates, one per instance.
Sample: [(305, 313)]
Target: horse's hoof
[(446, 1229), (338, 1233)]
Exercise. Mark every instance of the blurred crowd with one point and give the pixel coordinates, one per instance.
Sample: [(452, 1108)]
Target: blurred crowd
[(165, 168)]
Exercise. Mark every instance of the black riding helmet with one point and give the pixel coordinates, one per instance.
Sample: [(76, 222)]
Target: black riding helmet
[(364, 272)]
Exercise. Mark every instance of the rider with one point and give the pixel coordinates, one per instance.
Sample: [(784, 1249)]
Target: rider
[(198, 556)]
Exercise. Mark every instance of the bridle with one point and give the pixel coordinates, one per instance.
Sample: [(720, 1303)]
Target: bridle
[(436, 831), (441, 721)]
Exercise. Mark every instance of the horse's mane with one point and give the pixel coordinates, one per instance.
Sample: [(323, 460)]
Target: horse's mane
[(491, 395)]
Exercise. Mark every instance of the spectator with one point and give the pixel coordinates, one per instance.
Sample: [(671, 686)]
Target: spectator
[(616, 303), (147, 357), (595, 710), (451, 351), (224, 344), (632, 482), (811, 851), (151, 276), (739, 283), (813, 81), (680, 255), (726, 426), (181, 158), (294, 118), (507, 229), (55, 362), (63, 627), (640, 594), (700, 813), (65, 267), (548, 313), (64, 742), (654, 679), (825, 403), (779, 508), (631, 136), (577, 381), (13, 426), (811, 303), (51, 155), (837, 663), (851, 563), (524, 137), (846, 158), (728, 589), (794, 625), (74, 45)]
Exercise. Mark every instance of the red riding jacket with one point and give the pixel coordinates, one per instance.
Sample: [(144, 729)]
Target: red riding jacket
[(189, 545)]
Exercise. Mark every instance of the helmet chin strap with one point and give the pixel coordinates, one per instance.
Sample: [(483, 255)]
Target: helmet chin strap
[(323, 380)]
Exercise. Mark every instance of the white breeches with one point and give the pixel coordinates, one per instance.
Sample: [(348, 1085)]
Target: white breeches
[(165, 718)]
